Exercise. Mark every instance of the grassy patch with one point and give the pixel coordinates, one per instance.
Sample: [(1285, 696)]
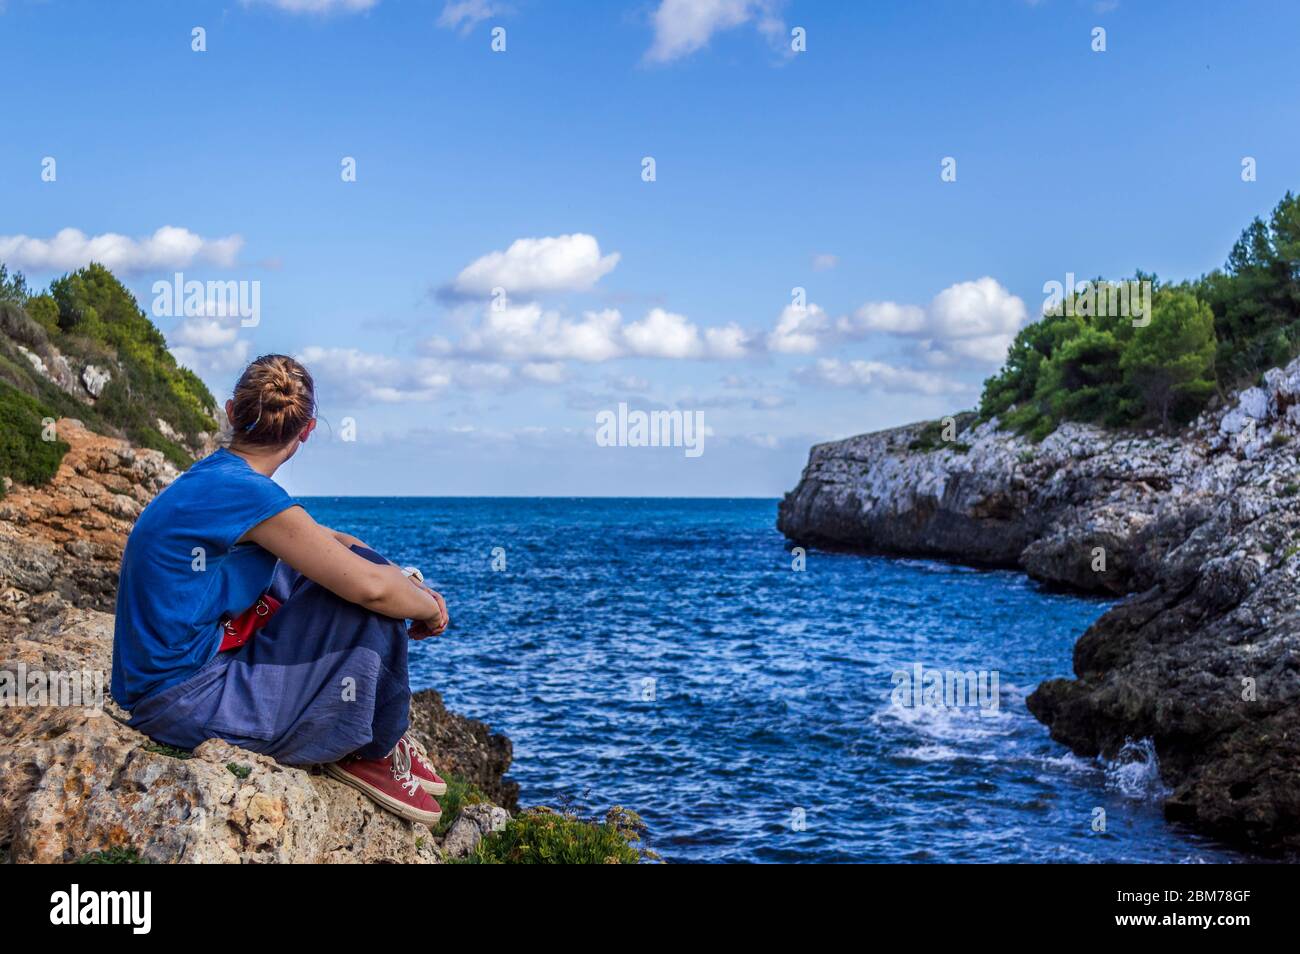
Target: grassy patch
[(239, 770), (546, 836), (157, 748), (118, 855)]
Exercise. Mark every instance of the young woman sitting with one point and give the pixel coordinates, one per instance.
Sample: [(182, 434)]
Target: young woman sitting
[(240, 617)]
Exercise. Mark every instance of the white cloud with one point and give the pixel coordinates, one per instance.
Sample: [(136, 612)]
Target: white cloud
[(799, 329), (884, 316), (982, 313), (208, 345), (168, 247), (537, 265), (682, 27), (482, 375), (969, 323), (535, 334), (348, 374), (205, 332), (663, 334), (464, 15), (530, 332), (545, 372), (825, 262), (727, 342), (318, 6), (627, 382), (877, 376)]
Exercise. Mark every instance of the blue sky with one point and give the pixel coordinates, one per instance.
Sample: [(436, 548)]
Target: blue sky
[(522, 170)]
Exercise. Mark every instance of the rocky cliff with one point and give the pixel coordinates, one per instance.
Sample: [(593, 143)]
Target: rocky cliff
[(75, 780), (61, 543), (1200, 529)]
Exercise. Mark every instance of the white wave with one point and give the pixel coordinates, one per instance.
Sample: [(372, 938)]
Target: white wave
[(1069, 762), (947, 723), (943, 753), (1135, 771)]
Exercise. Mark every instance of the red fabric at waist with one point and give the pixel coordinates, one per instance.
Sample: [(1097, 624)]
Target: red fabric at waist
[(240, 629)]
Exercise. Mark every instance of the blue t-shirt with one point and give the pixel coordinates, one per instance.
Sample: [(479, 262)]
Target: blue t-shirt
[(182, 572)]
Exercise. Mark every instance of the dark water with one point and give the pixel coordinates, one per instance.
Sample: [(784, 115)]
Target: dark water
[(663, 655)]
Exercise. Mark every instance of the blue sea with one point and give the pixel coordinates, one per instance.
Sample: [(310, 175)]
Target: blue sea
[(665, 655)]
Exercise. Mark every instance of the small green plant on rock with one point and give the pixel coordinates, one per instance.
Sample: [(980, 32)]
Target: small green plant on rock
[(942, 434), (546, 836), (460, 792), (157, 748), (117, 855)]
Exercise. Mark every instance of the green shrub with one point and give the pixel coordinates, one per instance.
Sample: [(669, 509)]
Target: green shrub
[(91, 318), (1102, 369), (25, 455), (43, 310), (13, 287), (94, 305), (546, 836), (17, 324), (1216, 333)]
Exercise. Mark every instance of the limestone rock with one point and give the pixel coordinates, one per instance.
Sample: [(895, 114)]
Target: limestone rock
[(75, 780), (65, 539), (95, 379), (468, 830), (1202, 527)]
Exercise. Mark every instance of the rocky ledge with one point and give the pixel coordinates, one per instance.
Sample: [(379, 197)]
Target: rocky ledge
[(61, 544), (74, 780), (1201, 532)]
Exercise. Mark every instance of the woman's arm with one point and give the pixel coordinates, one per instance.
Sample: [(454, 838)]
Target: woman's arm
[(347, 539), (316, 553)]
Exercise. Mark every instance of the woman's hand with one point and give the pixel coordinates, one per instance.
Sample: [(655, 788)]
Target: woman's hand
[(434, 626)]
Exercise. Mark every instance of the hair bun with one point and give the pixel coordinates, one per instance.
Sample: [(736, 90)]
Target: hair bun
[(274, 400)]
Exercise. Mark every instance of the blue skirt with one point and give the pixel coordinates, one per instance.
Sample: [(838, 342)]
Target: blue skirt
[(324, 678)]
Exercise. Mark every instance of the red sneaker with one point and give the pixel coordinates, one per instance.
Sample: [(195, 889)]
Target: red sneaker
[(422, 770), (390, 783)]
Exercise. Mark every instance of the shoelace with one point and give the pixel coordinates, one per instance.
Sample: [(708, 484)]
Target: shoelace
[(417, 753), (401, 767)]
